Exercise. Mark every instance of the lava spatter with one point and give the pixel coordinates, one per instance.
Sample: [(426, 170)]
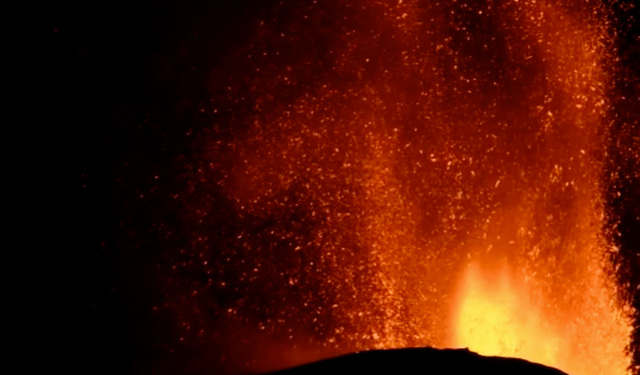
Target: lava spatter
[(383, 148)]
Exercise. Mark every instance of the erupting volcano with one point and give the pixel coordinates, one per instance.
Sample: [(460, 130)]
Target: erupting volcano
[(392, 174)]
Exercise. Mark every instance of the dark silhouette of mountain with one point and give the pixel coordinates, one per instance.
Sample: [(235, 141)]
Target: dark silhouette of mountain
[(428, 361)]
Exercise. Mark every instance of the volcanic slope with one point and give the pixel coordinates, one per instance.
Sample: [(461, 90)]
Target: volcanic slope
[(427, 360)]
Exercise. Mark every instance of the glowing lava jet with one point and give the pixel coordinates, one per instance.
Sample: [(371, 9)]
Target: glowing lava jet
[(495, 316)]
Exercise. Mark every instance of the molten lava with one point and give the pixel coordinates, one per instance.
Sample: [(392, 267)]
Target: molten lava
[(495, 319), (496, 316)]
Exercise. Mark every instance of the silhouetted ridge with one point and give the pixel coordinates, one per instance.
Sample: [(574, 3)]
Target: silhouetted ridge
[(427, 361)]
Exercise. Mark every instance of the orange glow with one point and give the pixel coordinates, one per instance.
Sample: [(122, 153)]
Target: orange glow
[(494, 319), (496, 316)]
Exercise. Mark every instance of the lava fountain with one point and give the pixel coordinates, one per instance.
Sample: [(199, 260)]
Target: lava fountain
[(497, 317), (409, 173)]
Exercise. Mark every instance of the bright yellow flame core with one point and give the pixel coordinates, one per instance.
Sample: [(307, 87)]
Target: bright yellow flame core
[(495, 316), (496, 320)]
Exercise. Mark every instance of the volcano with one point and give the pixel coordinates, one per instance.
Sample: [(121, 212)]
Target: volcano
[(429, 361), (271, 183)]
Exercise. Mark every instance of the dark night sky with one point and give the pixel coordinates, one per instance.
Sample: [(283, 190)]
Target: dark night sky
[(131, 74), (131, 78)]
